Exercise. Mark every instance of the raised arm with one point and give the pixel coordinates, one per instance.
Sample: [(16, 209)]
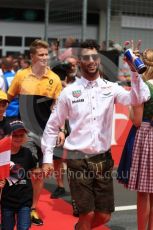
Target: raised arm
[(139, 93)]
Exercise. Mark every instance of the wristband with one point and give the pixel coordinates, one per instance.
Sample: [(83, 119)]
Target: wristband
[(63, 130)]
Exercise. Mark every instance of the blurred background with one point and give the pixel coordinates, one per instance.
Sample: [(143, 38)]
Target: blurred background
[(110, 22)]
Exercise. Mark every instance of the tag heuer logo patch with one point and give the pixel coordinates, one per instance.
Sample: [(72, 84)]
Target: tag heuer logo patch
[(76, 93)]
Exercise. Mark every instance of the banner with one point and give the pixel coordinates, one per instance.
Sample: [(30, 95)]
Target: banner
[(5, 155)]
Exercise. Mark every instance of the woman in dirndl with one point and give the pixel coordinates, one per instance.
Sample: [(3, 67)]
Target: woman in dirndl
[(141, 170)]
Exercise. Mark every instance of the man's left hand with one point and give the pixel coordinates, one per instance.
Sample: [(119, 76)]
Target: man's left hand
[(60, 139)]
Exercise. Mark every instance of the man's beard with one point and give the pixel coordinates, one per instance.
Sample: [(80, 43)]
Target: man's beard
[(91, 74)]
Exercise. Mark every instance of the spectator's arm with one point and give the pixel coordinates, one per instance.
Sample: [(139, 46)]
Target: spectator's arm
[(136, 114)]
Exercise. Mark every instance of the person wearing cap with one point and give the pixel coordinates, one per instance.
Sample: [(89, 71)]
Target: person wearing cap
[(4, 124), (17, 193)]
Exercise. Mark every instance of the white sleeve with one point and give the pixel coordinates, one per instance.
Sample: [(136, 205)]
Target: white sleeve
[(56, 120), (138, 94), (2, 84)]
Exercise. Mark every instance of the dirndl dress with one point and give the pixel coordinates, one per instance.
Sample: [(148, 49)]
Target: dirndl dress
[(141, 171), (123, 171)]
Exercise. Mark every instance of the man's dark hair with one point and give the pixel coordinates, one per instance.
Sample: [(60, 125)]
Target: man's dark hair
[(88, 44)]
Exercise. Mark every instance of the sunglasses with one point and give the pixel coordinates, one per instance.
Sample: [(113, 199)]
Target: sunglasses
[(88, 57)]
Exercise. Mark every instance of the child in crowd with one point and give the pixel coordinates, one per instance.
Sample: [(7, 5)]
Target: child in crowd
[(17, 193)]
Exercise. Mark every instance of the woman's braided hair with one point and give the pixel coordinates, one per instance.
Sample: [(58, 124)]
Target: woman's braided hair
[(147, 57)]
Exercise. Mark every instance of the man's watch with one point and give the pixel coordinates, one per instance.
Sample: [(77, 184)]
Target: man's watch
[(63, 130)]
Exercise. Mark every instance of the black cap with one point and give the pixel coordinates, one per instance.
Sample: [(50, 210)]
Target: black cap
[(16, 125)]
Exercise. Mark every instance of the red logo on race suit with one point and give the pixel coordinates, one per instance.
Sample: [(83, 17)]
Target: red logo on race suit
[(121, 127)]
